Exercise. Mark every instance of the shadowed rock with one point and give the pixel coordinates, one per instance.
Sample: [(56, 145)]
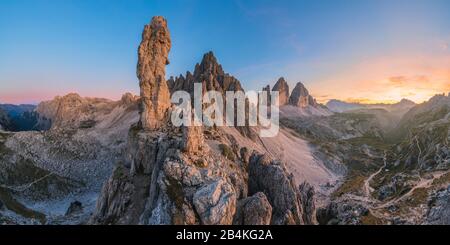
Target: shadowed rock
[(271, 177), (254, 210)]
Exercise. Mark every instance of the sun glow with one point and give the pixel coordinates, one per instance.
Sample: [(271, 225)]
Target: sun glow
[(389, 80)]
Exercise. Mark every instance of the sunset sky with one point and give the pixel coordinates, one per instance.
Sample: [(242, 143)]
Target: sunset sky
[(354, 50)]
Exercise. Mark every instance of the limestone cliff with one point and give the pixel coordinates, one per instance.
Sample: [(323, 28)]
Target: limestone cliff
[(300, 97), (151, 70)]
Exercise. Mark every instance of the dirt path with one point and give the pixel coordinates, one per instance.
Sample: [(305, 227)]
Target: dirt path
[(423, 183), (375, 206), (26, 186), (367, 189)]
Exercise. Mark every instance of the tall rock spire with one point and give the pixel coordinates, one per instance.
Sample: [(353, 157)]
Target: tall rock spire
[(283, 88), (151, 70)]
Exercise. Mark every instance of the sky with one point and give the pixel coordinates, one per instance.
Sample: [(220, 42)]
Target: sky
[(355, 50)]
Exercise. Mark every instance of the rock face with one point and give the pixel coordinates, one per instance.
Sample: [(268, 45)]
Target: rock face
[(73, 111), (215, 203), (254, 210), (270, 177), (300, 97), (283, 88), (167, 180), (193, 139), (151, 70), (308, 193), (439, 213), (112, 205)]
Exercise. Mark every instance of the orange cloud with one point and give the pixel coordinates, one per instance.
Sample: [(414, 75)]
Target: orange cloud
[(399, 80), (418, 80)]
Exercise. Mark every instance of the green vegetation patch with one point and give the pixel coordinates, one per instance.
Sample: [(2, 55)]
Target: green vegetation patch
[(443, 180), (87, 124), (352, 184), (370, 219), (370, 140), (227, 152), (418, 197)]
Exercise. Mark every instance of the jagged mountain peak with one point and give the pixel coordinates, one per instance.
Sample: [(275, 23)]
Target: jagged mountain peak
[(208, 65), (301, 89), (128, 98), (281, 82), (210, 73)]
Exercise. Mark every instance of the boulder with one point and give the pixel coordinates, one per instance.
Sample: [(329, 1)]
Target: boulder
[(215, 203), (75, 207)]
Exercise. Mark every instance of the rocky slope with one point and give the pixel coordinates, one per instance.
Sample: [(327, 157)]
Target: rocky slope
[(47, 170)]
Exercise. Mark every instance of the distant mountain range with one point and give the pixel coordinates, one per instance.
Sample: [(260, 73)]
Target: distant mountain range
[(17, 117), (342, 106)]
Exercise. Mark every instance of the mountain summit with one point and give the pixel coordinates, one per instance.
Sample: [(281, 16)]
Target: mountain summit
[(300, 97), (208, 72)]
